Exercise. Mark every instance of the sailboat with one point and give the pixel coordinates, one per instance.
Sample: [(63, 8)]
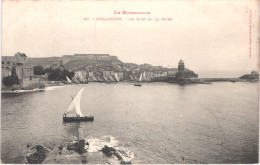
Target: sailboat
[(144, 77), (68, 80), (116, 76), (73, 112), (138, 82)]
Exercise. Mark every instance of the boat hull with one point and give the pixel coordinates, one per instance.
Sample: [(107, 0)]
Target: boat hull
[(76, 119), (138, 85)]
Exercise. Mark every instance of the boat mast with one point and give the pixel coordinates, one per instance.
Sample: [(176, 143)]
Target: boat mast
[(68, 106)]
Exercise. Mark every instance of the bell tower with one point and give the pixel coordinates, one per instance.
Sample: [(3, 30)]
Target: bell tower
[(181, 72)]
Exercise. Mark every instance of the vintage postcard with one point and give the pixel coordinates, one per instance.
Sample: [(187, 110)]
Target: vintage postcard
[(130, 82)]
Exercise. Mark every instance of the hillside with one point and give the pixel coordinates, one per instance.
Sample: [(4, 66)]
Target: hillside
[(45, 61), (111, 64)]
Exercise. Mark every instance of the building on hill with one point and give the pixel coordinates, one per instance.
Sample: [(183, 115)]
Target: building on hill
[(172, 73), (160, 76), (80, 73)]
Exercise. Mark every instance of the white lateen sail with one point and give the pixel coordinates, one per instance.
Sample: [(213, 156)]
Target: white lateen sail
[(144, 76), (140, 79), (116, 75), (68, 80), (74, 106)]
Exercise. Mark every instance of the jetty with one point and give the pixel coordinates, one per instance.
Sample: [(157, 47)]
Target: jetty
[(222, 79)]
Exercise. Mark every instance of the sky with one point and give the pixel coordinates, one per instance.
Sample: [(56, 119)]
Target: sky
[(207, 35)]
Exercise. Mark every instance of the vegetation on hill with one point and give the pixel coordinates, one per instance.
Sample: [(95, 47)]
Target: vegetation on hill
[(53, 74), (58, 74), (38, 70)]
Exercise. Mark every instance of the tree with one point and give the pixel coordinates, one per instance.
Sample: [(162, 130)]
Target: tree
[(38, 70), (58, 74), (67, 73), (11, 80), (8, 81), (54, 75)]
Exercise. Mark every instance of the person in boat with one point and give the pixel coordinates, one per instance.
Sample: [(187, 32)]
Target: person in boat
[(65, 115)]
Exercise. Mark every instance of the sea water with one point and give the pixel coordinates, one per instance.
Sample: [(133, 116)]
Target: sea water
[(155, 123)]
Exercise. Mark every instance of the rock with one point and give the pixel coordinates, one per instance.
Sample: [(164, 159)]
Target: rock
[(60, 147), (37, 156), (29, 145), (84, 159), (73, 145), (108, 151)]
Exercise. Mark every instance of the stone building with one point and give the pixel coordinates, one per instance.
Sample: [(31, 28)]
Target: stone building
[(20, 63), (24, 72), (80, 73)]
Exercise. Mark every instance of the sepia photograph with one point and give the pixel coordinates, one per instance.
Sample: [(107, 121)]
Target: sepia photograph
[(130, 82)]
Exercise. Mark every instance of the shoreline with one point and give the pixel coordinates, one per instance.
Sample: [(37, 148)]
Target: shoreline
[(187, 82)]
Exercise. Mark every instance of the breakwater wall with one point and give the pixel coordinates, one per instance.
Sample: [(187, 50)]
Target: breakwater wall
[(29, 84), (221, 79)]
